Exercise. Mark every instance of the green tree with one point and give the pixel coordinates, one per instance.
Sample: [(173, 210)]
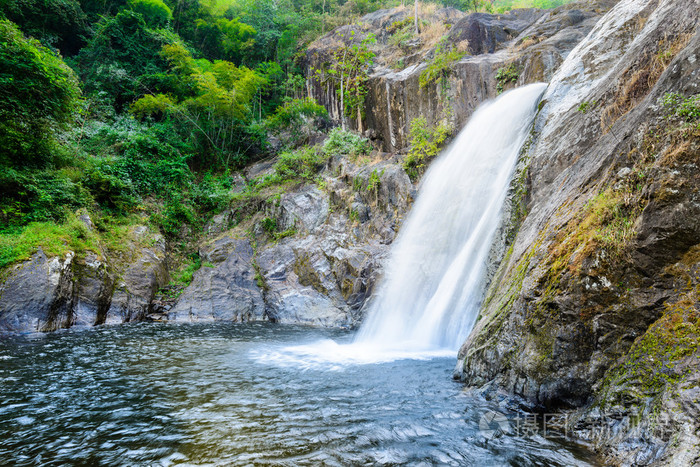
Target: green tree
[(60, 24), (224, 39), (123, 60), (38, 93), (426, 141), (155, 12), (349, 71), (218, 112), (264, 17)]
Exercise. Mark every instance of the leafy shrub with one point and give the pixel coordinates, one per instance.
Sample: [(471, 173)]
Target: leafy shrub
[(155, 12), (586, 106), (401, 31), (345, 143), (374, 180), (303, 163), (509, 74), (186, 274), (686, 109), (293, 113), (212, 193), (441, 64), (176, 213), (142, 163), (269, 225), (399, 25), (157, 106), (38, 93), (425, 144), (296, 119), (34, 196)]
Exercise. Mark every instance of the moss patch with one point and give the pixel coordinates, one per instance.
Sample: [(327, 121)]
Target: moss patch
[(660, 358), (54, 239), (308, 276)]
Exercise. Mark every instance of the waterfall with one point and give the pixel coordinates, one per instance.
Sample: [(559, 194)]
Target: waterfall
[(434, 280)]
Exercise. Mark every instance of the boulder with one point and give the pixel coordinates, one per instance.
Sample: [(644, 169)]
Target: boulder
[(37, 295), (228, 291)]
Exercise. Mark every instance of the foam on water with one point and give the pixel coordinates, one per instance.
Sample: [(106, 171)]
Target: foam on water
[(328, 354)]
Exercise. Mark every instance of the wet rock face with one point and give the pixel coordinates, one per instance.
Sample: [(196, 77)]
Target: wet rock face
[(36, 295), (598, 285), (46, 294), (138, 280), (94, 286), (533, 42)]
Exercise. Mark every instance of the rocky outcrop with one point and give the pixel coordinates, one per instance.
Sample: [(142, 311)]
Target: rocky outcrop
[(46, 294), (139, 276), (227, 290), (94, 285), (323, 266), (529, 43), (35, 295), (594, 309)]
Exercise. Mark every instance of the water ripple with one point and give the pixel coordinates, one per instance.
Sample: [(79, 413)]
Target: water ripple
[(216, 394)]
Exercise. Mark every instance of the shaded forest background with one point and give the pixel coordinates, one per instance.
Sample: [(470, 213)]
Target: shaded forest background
[(145, 109)]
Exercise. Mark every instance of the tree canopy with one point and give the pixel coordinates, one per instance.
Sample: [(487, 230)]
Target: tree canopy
[(38, 94)]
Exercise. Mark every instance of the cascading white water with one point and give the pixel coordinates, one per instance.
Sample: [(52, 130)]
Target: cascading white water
[(434, 280)]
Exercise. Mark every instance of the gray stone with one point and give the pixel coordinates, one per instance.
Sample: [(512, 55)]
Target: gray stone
[(226, 292), (139, 280), (36, 295)]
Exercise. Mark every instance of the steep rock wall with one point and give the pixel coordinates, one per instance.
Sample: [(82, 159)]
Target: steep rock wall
[(600, 282), (533, 42), (49, 293)]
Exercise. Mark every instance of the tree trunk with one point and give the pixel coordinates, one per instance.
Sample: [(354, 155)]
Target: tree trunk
[(415, 4), (359, 118), (342, 103)]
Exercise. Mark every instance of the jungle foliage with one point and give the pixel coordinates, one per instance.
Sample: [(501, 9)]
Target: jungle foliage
[(142, 110)]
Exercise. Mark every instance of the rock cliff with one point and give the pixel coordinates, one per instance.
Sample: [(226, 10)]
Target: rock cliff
[(524, 46), (46, 294), (594, 310)]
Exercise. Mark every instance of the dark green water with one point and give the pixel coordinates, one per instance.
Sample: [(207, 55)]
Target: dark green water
[(209, 394)]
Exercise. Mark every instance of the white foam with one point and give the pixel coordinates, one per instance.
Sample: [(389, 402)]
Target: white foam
[(328, 354)]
